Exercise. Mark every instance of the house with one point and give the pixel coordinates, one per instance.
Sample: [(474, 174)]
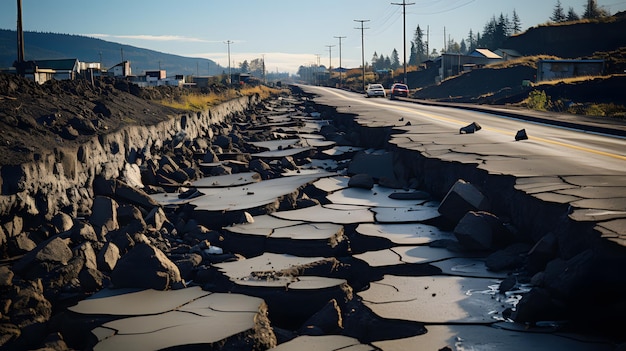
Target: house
[(42, 71), (122, 69), (508, 54), (560, 69), (454, 63)]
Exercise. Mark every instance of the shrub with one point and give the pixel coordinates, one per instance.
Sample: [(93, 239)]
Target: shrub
[(538, 100)]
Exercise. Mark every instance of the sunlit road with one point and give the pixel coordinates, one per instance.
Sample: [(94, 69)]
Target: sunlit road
[(584, 148), (584, 169)]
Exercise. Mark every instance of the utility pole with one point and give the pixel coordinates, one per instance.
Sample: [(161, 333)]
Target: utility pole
[(404, 5), (362, 49), (427, 42), (228, 42), (330, 61), (20, 40), (340, 66)]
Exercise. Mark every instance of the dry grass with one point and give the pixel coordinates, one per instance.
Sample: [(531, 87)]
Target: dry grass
[(570, 80), (530, 61), (199, 102)]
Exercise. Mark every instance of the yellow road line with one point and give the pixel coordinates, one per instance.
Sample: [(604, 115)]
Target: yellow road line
[(459, 122)]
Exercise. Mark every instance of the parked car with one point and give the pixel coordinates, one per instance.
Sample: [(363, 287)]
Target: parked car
[(398, 89), (375, 90)]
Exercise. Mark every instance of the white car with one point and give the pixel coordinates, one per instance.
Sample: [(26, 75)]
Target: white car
[(374, 90)]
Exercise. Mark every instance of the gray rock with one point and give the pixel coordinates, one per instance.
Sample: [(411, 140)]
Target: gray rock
[(82, 231), (133, 195), (259, 166), (210, 157), (462, 198), (361, 180), (107, 257), (61, 222), (20, 244), (471, 128), (287, 162), (6, 277), (537, 305), (104, 214), (223, 142), (521, 135), (86, 251), (91, 280), (156, 218), (14, 226), (543, 252), (477, 230), (145, 266)]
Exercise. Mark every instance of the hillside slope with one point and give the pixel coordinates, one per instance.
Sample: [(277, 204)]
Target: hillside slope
[(45, 46), (572, 39)]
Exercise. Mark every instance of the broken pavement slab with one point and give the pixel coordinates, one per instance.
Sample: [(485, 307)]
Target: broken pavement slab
[(437, 299), (151, 319), (317, 214), (406, 234), (323, 343)]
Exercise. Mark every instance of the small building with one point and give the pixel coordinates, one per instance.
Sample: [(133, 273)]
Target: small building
[(507, 54), (561, 69), (122, 69), (454, 63), (204, 81), (41, 71)]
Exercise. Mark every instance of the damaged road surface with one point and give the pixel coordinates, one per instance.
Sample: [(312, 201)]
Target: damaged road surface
[(325, 222)]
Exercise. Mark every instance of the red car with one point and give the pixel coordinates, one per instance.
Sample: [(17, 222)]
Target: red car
[(398, 89)]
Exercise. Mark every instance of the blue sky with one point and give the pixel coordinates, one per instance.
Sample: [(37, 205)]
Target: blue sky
[(287, 33)]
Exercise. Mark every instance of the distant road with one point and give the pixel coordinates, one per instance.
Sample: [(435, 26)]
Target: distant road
[(571, 149)]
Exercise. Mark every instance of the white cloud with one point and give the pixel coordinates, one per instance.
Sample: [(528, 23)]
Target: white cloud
[(176, 38)]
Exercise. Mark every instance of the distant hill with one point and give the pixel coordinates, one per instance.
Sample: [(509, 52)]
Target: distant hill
[(44, 46), (572, 39)]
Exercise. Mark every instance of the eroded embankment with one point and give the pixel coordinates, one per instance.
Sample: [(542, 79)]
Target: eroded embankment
[(62, 179)]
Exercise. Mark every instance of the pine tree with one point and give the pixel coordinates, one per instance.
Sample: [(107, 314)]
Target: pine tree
[(572, 15), (593, 11), (517, 24), (463, 49), (558, 15), (420, 47), (395, 59), (413, 55), (471, 41)]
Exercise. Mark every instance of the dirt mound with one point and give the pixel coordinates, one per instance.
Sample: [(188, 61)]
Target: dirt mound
[(480, 86), (37, 118)]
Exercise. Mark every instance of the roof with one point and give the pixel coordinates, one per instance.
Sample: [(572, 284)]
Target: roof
[(485, 53), (61, 64), (508, 52)]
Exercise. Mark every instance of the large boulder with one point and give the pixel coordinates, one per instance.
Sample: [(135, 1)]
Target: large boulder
[(462, 198), (361, 180), (145, 266), (104, 214), (107, 257), (44, 258), (480, 231)]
